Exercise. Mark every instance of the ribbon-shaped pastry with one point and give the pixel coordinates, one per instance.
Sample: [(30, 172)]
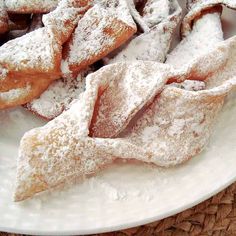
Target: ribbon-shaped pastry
[(158, 21), (174, 125), (104, 27), (29, 64)]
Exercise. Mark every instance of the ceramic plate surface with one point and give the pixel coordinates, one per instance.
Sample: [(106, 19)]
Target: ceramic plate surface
[(124, 195)]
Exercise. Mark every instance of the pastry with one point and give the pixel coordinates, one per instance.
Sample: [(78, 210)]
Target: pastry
[(36, 57), (63, 20), (101, 30), (22, 61), (122, 93), (171, 128), (196, 7), (159, 20), (58, 96), (205, 31)]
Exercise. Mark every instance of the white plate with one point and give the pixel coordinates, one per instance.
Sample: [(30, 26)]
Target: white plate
[(123, 196)]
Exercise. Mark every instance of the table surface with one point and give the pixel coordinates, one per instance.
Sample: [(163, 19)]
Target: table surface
[(216, 216)]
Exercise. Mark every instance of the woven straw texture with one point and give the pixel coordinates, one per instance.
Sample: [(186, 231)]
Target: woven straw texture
[(216, 216)]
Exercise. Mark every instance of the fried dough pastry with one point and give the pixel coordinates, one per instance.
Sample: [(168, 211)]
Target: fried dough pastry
[(103, 28), (3, 18), (172, 128), (29, 6), (33, 57), (58, 97), (205, 31), (36, 56), (160, 19)]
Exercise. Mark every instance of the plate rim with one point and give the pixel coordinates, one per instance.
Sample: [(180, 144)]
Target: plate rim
[(125, 225)]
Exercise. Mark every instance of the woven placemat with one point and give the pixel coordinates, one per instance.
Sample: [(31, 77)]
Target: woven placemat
[(216, 216)]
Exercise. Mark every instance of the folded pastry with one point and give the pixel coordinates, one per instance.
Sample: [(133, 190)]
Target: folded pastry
[(29, 6), (103, 28), (36, 56), (3, 18), (33, 57), (201, 30), (58, 96), (158, 20), (172, 127)]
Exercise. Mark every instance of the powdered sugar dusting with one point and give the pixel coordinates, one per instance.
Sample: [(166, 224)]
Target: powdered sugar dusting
[(21, 53), (124, 95), (98, 33), (14, 94), (117, 8), (29, 6), (63, 20), (156, 11), (154, 44), (58, 97), (205, 34), (190, 85)]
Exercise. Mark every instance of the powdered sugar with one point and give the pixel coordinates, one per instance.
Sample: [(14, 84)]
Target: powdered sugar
[(124, 95), (154, 44), (98, 33), (21, 52), (29, 6), (156, 11), (117, 8), (63, 20), (14, 94), (190, 85), (58, 97), (205, 34)]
